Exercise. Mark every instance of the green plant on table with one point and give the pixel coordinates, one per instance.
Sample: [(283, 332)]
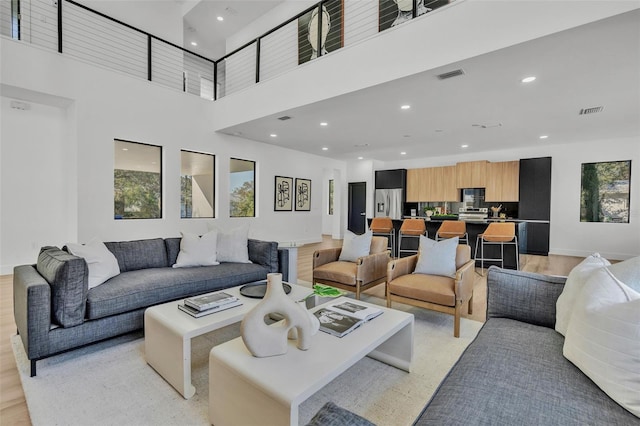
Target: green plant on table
[(324, 291)]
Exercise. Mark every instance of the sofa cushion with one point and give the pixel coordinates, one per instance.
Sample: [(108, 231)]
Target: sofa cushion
[(341, 272), (102, 263), (332, 415), (68, 277), (147, 287), (628, 272), (603, 337), (264, 253), (172, 245), (431, 288), (140, 254), (514, 373)]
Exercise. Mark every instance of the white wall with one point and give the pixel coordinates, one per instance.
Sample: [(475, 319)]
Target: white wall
[(569, 236), (488, 26), (111, 105)]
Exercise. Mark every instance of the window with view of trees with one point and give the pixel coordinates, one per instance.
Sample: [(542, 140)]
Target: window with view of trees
[(605, 192), (242, 188), (197, 184), (137, 180)]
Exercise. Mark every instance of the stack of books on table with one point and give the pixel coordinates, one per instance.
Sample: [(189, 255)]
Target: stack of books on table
[(210, 303), (342, 318)]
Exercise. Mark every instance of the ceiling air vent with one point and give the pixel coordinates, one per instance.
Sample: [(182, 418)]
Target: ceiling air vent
[(451, 74), (592, 110), (284, 118)]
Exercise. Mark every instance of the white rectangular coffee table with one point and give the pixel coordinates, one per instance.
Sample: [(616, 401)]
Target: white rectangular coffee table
[(245, 390), (168, 332)]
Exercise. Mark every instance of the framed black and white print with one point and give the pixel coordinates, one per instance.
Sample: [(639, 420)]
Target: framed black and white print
[(331, 20), (283, 194), (605, 191), (392, 13), (303, 195)]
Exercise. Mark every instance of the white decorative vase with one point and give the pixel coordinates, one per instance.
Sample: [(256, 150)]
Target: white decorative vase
[(265, 340), (315, 322)]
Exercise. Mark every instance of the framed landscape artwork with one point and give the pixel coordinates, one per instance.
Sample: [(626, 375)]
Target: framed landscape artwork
[(332, 17), (283, 196), (303, 195), (605, 192)]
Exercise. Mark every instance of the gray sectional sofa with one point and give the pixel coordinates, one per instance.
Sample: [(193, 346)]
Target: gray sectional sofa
[(55, 311), (514, 372)]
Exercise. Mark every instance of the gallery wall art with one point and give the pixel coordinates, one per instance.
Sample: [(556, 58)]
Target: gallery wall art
[(283, 194), (392, 13), (303, 194)]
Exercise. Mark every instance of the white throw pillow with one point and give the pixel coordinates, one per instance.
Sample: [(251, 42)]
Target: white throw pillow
[(575, 281), (197, 251), (355, 246), (233, 244), (628, 272), (437, 257), (101, 262), (603, 338)]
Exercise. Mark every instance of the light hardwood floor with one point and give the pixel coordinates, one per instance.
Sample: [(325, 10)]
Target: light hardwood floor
[(13, 407)]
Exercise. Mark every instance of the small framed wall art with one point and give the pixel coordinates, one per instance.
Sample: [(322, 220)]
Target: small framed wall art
[(283, 194), (303, 195)]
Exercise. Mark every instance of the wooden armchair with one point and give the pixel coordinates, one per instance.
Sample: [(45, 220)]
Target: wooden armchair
[(438, 293), (364, 273)]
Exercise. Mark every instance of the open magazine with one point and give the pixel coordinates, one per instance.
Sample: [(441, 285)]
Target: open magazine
[(342, 318)]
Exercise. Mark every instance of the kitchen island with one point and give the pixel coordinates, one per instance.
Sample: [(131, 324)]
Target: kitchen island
[(474, 228)]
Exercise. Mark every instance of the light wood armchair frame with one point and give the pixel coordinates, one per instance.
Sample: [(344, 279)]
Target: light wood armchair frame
[(370, 270), (462, 285)]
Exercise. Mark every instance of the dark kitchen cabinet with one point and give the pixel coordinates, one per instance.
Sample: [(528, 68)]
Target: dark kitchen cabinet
[(391, 179), (535, 202)]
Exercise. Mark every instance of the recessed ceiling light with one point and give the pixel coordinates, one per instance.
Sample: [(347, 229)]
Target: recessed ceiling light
[(273, 135), (544, 137), (324, 148), (193, 43), (220, 18), (464, 146), (360, 158), (403, 153), (324, 123), (528, 79), (405, 107), (125, 149)]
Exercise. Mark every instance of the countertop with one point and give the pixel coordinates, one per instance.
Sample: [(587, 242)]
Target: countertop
[(488, 220)]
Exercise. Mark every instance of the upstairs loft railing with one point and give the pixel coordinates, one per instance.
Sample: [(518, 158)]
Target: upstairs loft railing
[(83, 33)]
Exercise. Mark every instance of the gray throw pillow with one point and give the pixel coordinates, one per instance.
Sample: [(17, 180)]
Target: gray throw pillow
[(355, 246), (437, 257), (332, 415), (68, 277)]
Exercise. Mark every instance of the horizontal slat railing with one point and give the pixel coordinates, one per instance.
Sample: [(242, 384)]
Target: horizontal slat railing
[(83, 33)]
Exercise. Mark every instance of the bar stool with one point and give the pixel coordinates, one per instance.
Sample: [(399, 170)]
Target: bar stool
[(497, 233), (383, 226), (411, 228), (453, 228)]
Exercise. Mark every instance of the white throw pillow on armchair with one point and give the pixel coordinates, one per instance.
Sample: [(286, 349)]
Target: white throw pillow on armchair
[(355, 246), (437, 257)]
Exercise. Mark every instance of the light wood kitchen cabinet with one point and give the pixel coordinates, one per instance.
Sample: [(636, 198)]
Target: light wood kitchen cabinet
[(432, 184), (471, 174), (503, 181)]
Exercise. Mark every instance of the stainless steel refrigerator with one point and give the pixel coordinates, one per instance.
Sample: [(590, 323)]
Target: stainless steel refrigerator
[(389, 203)]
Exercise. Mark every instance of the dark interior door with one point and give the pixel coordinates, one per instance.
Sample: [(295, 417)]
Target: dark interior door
[(357, 207)]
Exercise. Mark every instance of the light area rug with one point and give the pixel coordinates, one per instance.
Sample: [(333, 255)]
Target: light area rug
[(109, 383)]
